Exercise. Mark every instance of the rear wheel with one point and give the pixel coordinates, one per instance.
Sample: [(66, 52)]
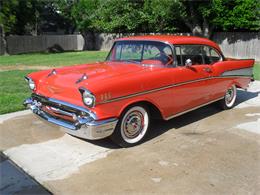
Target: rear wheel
[(229, 98), (132, 126)]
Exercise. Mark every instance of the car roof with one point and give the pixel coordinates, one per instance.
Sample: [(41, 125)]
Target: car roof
[(175, 40)]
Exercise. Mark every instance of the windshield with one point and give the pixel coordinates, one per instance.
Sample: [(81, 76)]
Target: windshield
[(141, 52)]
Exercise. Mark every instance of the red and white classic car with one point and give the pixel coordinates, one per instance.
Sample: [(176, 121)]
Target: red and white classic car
[(143, 77)]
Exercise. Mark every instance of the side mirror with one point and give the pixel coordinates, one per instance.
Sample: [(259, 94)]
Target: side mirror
[(188, 63)]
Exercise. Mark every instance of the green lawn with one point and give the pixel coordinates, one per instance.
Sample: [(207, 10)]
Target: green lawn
[(57, 59), (257, 71), (13, 90)]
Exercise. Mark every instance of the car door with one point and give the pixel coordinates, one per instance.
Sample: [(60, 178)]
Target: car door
[(190, 78), (213, 58)]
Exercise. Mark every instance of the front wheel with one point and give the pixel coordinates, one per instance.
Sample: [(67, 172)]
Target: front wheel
[(132, 126), (229, 98)]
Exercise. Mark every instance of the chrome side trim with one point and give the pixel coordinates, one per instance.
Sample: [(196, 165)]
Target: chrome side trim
[(169, 86), (239, 72), (186, 111)]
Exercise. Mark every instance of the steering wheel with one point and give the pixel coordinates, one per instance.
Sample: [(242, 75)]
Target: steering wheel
[(169, 57)]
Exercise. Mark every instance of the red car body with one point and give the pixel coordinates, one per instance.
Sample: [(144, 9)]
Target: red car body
[(168, 90)]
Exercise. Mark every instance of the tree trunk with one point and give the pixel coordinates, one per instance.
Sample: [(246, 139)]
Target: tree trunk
[(90, 40), (198, 28), (3, 40)]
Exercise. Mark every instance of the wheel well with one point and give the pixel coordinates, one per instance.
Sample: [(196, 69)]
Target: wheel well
[(154, 111)]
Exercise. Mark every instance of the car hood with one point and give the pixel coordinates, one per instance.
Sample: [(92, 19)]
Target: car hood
[(71, 78)]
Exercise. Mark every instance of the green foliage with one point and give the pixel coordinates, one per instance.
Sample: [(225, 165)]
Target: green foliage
[(237, 14), (159, 16), (81, 13), (8, 15), (199, 17), (118, 16)]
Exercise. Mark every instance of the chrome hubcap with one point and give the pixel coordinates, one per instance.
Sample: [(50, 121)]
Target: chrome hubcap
[(229, 95), (133, 124)]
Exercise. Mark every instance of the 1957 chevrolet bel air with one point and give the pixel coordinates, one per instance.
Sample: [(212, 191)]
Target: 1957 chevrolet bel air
[(143, 77)]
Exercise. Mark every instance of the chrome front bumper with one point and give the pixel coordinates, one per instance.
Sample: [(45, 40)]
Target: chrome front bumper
[(83, 123)]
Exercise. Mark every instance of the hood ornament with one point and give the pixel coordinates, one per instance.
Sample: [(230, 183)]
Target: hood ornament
[(53, 72), (82, 78)]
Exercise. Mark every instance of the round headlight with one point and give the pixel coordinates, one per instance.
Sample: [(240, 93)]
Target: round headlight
[(31, 84), (88, 98)]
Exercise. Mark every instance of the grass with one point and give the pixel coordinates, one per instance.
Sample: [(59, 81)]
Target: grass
[(13, 90), (257, 71), (57, 59)]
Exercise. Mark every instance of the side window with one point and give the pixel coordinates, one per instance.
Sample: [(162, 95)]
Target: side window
[(192, 52), (211, 55)]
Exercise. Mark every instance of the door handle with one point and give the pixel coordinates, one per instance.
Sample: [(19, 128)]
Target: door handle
[(207, 69)]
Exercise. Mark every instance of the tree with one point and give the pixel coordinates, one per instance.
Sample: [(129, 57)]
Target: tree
[(196, 15), (7, 20), (202, 17), (118, 16), (28, 16), (64, 9), (237, 15), (159, 16), (18, 17)]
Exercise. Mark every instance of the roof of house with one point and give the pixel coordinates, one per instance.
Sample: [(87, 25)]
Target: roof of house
[(176, 40)]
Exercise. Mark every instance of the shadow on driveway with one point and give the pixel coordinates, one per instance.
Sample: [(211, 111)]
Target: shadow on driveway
[(15, 181)]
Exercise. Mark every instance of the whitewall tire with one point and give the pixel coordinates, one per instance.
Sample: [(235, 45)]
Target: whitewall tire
[(132, 126), (229, 98)]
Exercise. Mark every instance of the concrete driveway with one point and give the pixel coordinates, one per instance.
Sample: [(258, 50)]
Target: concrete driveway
[(207, 151)]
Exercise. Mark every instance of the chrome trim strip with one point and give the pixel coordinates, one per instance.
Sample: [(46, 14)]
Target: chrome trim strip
[(186, 111), (167, 87)]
